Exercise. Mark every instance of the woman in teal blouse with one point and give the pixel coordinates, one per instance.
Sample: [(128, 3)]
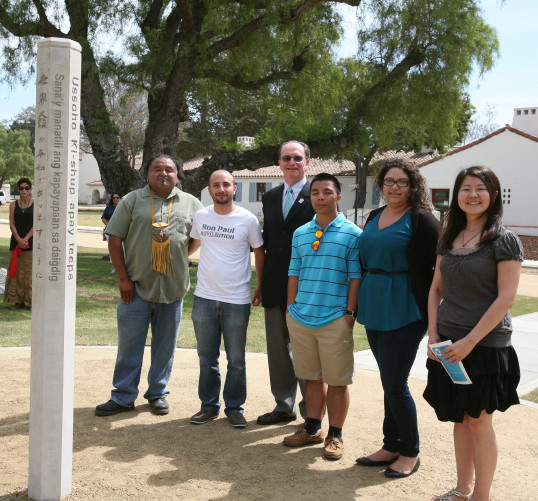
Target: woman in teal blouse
[(397, 252)]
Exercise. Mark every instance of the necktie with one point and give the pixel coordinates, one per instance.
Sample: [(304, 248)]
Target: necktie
[(289, 201)]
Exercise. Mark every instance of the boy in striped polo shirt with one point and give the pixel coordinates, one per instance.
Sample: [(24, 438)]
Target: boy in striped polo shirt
[(324, 277)]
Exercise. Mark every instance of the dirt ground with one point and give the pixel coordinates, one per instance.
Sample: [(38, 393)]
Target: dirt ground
[(138, 455)]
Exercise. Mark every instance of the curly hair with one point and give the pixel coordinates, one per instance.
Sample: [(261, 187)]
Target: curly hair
[(418, 192)]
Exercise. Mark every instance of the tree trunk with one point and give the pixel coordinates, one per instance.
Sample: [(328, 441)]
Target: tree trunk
[(116, 172), (363, 167), (166, 109)]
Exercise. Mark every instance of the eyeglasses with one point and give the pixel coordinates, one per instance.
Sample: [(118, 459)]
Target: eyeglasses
[(315, 243), (401, 183), (287, 158), (24, 188)]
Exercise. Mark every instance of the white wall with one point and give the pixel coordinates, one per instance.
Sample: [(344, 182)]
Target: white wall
[(6, 188), (515, 161), (88, 172), (347, 183)]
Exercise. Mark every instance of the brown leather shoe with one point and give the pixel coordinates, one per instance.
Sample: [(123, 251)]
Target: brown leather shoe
[(334, 448), (237, 419), (300, 438)]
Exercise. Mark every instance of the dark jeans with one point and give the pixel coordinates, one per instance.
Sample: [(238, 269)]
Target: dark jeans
[(212, 321), (395, 352)]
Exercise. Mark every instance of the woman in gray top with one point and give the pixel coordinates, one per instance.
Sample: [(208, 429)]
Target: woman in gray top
[(474, 285)]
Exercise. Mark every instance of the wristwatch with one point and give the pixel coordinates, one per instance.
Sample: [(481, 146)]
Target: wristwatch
[(351, 313)]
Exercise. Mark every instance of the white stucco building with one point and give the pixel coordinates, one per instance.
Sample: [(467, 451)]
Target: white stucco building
[(251, 185), (512, 153)]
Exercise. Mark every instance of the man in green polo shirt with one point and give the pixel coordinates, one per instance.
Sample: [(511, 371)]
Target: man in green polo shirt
[(149, 246)]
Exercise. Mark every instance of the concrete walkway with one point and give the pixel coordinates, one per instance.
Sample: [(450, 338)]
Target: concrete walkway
[(524, 339)]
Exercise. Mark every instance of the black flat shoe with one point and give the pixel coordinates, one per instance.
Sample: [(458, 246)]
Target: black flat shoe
[(111, 408), (390, 473), (364, 461), (276, 417)]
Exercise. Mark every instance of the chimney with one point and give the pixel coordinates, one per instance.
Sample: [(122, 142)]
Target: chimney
[(526, 120)]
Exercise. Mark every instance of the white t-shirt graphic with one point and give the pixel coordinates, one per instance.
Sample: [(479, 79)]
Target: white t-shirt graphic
[(224, 270)]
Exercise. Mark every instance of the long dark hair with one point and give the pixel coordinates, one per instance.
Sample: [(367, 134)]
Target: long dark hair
[(111, 202), (418, 193), (456, 220)]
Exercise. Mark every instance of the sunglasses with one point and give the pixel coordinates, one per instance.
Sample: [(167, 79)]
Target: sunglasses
[(115, 197), (24, 188), (287, 158), (315, 243)]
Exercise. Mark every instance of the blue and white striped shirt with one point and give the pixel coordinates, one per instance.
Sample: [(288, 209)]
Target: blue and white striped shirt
[(324, 274)]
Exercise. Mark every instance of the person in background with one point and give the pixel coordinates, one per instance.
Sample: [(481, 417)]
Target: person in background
[(21, 222), (397, 252), (474, 286), (107, 214), (110, 208)]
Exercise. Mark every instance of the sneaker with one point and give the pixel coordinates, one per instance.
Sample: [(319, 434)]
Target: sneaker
[(203, 416), (300, 438), (334, 448), (159, 406), (237, 419), (110, 408)]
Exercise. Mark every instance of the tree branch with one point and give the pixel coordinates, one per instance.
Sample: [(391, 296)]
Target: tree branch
[(185, 13), (240, 35), (43, 27), (181, 12), (151, 21), (236, 81), (300, 9)]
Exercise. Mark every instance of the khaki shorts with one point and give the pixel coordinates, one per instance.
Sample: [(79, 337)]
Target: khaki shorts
[(325, 353)]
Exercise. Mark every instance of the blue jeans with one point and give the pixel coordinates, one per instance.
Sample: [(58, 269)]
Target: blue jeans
[(133, 323), (210, 319), (395, 352)]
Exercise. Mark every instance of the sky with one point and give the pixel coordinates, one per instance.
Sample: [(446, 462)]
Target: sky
[(512, 83)]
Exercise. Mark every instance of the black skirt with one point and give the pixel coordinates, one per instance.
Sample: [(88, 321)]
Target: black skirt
[(495, 376)]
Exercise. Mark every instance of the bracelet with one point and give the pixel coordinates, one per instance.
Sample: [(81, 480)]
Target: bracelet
[(470, 340)]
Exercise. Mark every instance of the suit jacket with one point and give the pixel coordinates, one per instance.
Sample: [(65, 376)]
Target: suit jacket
[(277, 236)]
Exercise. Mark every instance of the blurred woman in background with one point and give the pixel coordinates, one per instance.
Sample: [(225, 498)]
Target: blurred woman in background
[(21, 222)]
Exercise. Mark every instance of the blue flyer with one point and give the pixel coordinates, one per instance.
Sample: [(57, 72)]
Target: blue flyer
[(457, 372)]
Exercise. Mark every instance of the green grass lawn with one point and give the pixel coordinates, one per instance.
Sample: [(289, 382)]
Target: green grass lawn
[(532, 396), (97, 295), (86, 217)]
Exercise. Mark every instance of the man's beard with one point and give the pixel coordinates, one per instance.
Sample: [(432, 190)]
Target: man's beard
[(222, 201)]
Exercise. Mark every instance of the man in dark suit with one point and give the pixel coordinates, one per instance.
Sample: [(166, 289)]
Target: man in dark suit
[(285, 208)]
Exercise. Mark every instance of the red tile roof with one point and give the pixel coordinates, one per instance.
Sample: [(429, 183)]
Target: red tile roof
[(318, 165)]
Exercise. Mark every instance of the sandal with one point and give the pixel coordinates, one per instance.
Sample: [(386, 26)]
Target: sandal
[(448, 496)]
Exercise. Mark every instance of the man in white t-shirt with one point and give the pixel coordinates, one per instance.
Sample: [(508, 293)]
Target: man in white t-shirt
[(221, 307)]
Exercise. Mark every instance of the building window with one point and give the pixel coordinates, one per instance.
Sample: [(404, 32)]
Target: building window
[(440, 198), (507, 192), (260, 191)]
